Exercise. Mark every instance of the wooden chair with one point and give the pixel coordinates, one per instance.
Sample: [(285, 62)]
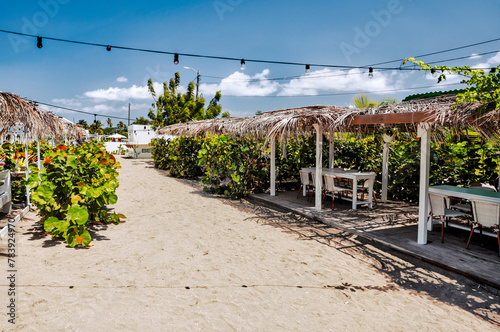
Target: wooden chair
[(440, 211), (486, 215)]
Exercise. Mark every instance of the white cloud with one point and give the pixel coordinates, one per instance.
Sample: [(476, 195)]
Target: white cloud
[(474, 56), (240, 84), (122, 79), (491, 62), (67, 102), (119, 94), (450, 78), (328, 80), (99, 108)]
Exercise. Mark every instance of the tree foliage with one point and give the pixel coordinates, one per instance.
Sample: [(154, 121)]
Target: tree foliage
[(482, 87), (174, 107), (83, 123), (142, 121), (96, 128), (363, 101)]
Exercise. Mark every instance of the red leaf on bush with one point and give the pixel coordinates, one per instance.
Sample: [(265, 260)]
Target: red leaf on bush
[(62, 147), (47, 160)]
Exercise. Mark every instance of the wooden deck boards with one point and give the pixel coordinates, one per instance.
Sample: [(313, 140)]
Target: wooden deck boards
[(394, 224)]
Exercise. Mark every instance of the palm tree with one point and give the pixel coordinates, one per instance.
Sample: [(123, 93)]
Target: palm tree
[(387, 101), (96, 128), (83, 123), (110, 124), (121, 126), (363, 101)]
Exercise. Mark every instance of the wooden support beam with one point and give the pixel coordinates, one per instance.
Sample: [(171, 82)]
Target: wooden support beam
[(392, 118)]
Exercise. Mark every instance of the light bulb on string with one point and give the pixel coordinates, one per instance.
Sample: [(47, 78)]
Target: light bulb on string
[(176, 58), (108, 48), (39, 42), (434, 72), (242, 64), (308, 69), (370, 72)]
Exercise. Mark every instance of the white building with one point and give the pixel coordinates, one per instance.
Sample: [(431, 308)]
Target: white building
[(139, 137)]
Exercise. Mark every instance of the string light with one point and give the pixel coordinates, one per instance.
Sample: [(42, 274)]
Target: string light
[(108, 47), (242, 64), (308, 69), (370, 72), (434, 72)]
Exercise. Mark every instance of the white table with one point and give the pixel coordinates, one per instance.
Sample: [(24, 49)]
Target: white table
[(466, 193), (353, 175)]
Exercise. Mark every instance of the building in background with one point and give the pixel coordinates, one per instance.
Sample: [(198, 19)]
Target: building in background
[(139, 137)]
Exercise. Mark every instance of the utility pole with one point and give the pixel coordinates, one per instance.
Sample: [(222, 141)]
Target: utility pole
[(128, 115), (197, 84), (197, 80)]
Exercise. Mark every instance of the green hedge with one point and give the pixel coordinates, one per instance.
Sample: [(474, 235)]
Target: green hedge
[(238, 167)]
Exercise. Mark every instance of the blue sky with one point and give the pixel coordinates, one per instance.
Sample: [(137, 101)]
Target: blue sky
[(344, 33)]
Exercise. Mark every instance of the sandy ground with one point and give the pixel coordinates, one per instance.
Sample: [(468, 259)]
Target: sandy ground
[(186, 260)]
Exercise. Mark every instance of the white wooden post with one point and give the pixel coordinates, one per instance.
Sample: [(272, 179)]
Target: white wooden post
[(26, 156), (331, 150), (273, 165), (319, 162), (38, 153), (425, 162), (385, 166)]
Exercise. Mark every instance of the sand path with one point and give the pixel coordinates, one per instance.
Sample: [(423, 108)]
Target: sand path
[(185, 260)]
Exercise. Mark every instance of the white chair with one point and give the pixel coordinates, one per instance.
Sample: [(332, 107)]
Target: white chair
[(440, 211), (312, 185), (364, 188), (486, 215), (305, 182), (331, 188)]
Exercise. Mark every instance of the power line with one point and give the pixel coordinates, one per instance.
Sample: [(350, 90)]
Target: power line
[(466, 57), (438, 52), (78, 111), (347, 93), (177, 54)]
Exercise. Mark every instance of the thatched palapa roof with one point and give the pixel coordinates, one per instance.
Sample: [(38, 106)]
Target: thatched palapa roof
[(201, 127), (16, 112), (438, 112)]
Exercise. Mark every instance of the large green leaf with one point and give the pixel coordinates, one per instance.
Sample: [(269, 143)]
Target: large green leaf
[(78, 214), (50, 224), (112, 199)]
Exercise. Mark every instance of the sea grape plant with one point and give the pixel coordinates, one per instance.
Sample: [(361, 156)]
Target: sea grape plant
[(77, 184), (234, 167)]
